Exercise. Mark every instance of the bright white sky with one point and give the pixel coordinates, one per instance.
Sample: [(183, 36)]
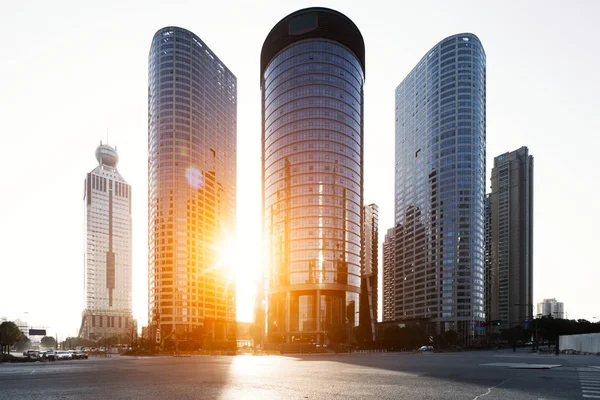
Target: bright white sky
[(71, 71)]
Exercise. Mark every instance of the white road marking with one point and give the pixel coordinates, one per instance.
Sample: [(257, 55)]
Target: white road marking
[(32, 372), (590, 384), (489, 390), (521, 365)]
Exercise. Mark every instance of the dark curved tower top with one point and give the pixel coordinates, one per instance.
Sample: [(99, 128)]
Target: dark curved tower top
[(312, 77), (314, 22)]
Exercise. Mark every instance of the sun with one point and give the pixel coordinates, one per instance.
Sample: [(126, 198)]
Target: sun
[(240, 263)]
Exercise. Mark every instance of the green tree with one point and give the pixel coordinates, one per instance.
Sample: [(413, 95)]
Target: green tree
[(440, 341), (256, 333), (389, 337), (337, 333), (451, 337), (363, 337), (23, 344), (9, 335), (48, 342), (193, 340)]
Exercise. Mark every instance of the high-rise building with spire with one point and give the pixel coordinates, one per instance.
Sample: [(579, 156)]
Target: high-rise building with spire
[(107, 251)]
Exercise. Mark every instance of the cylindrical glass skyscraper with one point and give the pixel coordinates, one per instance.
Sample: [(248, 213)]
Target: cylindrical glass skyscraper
[(312, 76), (440, 188)]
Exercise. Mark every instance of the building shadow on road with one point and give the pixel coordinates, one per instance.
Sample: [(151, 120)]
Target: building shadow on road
[(470, 367)]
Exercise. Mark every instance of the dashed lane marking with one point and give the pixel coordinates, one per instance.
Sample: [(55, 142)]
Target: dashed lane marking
[(521, 365)]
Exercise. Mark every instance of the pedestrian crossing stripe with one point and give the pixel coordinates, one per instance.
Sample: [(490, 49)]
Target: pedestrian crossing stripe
[(590, 383)]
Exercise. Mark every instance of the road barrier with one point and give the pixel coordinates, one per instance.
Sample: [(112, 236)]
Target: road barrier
[(587, 343), (371, 351)]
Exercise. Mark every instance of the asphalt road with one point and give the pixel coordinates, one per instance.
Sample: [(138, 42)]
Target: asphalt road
[(485, 375)]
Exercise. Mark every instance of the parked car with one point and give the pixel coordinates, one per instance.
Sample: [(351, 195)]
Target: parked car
[(426, 348), (63, 355), (33, 354), (51, 355), (79, 355)]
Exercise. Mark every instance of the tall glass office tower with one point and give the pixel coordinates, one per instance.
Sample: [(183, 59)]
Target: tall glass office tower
[(312, 74), (440, 188), (192, 129)]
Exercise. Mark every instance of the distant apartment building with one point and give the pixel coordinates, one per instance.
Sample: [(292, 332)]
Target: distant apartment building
[(551, 308), (388, 275), (107, 251), (510, 267), (22, 325), (487, 231), (192, 133), (369, 271)]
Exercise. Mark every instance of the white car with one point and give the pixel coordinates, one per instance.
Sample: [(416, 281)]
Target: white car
[(426, 348), (63, 355)]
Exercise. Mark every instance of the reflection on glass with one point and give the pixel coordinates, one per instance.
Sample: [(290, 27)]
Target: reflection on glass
[(312, 148)]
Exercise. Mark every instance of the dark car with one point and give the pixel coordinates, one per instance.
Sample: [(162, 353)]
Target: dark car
[(34, 354), (79, 355)]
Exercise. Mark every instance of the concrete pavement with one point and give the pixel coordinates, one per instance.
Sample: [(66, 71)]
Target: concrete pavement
[(484, 375)]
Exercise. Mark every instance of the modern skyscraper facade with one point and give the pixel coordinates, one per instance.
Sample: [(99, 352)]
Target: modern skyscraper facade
[(312, 76), (511, 267), (551, 308), (440, 188), (389, 284), (192, 116), (107, 251), (370, 271), (487, 228)]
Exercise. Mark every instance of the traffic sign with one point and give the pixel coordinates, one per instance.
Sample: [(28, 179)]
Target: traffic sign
[(158, 336)]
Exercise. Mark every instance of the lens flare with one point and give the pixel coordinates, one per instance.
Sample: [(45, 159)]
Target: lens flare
[(194, 178)]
